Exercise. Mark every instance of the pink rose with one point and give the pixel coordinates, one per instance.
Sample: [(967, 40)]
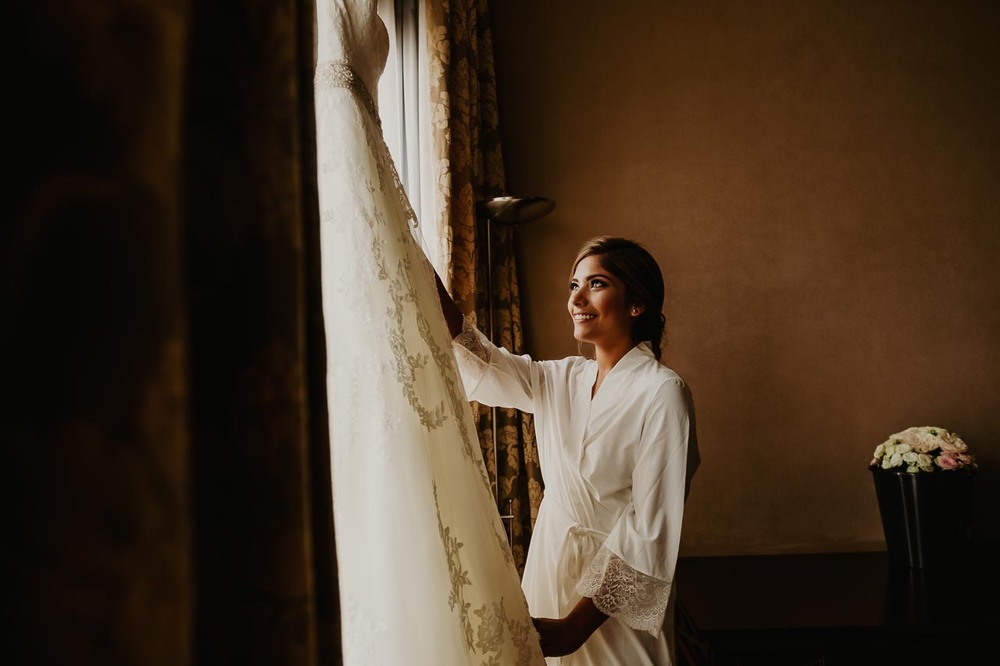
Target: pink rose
[(946, 461)]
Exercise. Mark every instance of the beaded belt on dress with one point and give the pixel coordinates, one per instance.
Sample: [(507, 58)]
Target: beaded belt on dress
[(340, 74)]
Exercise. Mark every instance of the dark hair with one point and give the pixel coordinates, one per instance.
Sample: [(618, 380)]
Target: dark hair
[(635, 267)]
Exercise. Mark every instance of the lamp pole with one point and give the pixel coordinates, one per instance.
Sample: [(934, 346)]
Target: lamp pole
[(511, 211), (507, 518)]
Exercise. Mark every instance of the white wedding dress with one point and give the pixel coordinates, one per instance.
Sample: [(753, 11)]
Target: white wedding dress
[(426, 574)]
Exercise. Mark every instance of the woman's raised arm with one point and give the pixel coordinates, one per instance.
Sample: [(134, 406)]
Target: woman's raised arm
[(451, 312)]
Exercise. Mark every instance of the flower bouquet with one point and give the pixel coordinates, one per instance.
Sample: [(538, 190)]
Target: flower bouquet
[(923, 481), (923, 449)]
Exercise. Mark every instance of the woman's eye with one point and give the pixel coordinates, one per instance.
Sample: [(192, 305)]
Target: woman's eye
[(596, 283), (573, 286)]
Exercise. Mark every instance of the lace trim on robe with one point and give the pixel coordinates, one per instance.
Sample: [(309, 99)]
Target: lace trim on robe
[(638, 600), (472, 351)]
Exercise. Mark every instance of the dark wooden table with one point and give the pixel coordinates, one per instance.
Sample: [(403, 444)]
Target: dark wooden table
[(843, 609)]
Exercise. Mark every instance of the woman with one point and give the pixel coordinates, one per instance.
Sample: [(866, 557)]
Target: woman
[(617, 448)]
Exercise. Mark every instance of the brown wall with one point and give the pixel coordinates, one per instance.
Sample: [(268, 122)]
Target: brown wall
[(821, 184)]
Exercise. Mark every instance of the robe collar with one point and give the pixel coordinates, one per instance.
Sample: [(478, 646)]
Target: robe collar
[(640, 354)]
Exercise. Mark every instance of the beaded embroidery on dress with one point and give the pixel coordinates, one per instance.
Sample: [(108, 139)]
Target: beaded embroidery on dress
[(426, 574)]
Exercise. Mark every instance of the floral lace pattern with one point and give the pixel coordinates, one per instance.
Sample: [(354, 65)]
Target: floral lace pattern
[(366, 633), (471, 339), (471, 352), (494, 627), (403, 440), (340, 74), (638, 600)]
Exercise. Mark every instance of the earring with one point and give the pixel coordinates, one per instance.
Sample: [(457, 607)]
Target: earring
[(635, 312)]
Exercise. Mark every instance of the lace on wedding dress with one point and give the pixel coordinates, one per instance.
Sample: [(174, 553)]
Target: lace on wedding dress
[(339, 73), (638, 600), (417, 525)]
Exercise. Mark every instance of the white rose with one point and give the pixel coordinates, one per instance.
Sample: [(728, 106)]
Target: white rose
[(953, 443), (925, 442)]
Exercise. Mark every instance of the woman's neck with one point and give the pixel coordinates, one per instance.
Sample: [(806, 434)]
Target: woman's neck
[(607, 357)]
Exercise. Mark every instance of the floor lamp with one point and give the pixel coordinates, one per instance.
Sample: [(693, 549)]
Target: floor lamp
[(512, 212)]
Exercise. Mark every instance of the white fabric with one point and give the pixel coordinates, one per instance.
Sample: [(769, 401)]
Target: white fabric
[(426, 574), (616, 470)]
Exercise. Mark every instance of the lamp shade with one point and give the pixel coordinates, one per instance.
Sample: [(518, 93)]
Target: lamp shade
[(516, 211)]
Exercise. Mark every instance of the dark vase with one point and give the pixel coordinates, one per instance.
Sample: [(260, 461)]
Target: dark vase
[(926, 516)]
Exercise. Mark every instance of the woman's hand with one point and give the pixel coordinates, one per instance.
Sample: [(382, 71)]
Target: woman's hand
[(452, 314), (560, 637)]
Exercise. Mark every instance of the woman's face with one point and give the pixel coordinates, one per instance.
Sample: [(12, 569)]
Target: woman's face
[(596, 303)]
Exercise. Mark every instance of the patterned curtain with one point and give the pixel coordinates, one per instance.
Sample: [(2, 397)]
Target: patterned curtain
[(166, 432), (469, 163)]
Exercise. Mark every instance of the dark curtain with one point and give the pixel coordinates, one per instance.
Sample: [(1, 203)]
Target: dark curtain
[(163, 339)]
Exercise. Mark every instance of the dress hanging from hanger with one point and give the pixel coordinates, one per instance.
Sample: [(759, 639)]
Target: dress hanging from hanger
[(426, 573)]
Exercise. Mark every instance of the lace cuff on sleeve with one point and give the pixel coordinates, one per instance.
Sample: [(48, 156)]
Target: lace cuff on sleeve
[(472, 353), (471, 339), (638, 600)]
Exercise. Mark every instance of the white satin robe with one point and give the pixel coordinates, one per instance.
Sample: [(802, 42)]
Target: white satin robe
[(616, 471)]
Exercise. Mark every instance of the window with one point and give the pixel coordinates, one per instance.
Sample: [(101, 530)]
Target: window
[(404, 106)]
